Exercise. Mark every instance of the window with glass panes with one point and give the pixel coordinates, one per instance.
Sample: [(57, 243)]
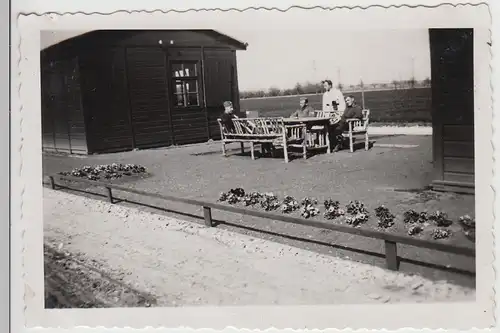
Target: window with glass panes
[(186, 90)]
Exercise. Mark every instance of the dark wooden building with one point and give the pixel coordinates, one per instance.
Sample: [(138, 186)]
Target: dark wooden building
[(110, 91), (452, 70)]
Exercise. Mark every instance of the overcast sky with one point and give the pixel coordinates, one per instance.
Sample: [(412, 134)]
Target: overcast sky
[(282, 58)]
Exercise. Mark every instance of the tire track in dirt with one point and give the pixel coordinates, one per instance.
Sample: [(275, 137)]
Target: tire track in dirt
[(72, 281)]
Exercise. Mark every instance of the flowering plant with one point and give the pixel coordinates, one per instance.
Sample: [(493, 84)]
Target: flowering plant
[(356, 219), (467, 222), (289, 205), (440, 219), (415, 229), (385, 217), (308, 208), (251, 199), (107, 171), (269, 201), (333, 209), (356, 207), (412, 216), (308, 211), (233, 196), (440, 233), (468, 226)]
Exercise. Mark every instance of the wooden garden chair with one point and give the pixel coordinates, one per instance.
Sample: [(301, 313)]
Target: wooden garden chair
[(317, 128), (358, 127)]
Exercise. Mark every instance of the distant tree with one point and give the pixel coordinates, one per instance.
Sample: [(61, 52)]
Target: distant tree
[(340, 86), (395, 83), (426, 82), (311, 88), (298, 89), (273, 91)]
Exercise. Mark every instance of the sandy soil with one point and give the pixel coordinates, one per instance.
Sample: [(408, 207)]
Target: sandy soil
[(181, 263)]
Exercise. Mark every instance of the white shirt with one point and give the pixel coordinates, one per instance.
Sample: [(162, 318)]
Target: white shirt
[(334, 95)]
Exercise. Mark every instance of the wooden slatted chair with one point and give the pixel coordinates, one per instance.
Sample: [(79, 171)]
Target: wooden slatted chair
[(358, 127), (322, 114)]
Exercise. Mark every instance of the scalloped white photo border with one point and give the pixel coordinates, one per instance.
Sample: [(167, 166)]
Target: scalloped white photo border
[(26, 171)]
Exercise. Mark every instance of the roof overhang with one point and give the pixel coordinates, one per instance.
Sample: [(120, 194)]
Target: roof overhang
[(52, 38)]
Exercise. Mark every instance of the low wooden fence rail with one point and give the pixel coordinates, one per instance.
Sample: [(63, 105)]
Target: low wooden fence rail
[(390, 240)]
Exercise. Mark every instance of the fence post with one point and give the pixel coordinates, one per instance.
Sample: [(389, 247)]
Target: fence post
[(391, 255), (207, 214), (52, 182), (110, 194)]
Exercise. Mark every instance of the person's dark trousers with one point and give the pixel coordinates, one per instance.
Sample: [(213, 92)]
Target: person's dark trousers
[(336, 136), (267, 148), (332, 135)]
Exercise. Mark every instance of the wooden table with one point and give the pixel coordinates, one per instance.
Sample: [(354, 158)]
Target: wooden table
[(310, 122)]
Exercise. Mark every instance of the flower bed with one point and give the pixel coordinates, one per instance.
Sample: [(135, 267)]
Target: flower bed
[(106, 171), (437, 224)]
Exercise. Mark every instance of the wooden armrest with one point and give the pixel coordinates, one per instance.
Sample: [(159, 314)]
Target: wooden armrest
[(353, 119)]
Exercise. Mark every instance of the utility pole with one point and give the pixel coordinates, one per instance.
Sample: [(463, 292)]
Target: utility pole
[(362, 93), (413, 67), (314, 73)]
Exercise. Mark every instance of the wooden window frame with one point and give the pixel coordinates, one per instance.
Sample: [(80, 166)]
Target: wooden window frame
[(185, 80)]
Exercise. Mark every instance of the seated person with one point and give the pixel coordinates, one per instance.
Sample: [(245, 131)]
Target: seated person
[(304, 111), (352, 111), (228, 116)]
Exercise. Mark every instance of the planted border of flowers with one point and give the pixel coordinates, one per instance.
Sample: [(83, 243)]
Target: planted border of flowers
[(355, 213), (106, 171)]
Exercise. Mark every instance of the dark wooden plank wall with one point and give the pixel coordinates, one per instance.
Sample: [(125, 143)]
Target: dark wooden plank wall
[(48, 80), (129, 97), (148, 94), (63, 126), (221, 85), (105, 101), (453, 104)]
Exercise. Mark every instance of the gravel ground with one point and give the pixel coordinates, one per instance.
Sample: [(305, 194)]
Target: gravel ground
[(179, 263), (381, 175)]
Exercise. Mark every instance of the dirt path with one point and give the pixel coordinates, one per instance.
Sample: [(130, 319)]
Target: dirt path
[(181, 263)]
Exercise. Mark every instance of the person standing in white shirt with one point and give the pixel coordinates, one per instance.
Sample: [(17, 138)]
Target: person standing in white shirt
[(333, 99)]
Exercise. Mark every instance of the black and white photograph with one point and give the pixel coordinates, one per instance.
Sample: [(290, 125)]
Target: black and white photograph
[(299, 158)]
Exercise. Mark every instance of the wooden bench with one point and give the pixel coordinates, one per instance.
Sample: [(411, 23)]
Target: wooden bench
[(358, 127), (269, 131)]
